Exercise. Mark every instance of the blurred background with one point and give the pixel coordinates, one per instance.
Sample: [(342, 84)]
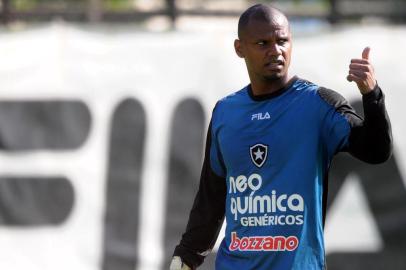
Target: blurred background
[(104, 106)]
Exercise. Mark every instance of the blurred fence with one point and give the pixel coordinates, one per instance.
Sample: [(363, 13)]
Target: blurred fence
[(334, 11)]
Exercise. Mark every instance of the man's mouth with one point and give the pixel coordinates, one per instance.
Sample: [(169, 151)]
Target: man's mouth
[(275, 64)]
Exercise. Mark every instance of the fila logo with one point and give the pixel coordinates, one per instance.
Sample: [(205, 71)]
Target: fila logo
[(260, 116), (259, 153)]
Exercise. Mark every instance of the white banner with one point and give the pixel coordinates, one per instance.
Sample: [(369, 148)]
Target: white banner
[(75, 99)]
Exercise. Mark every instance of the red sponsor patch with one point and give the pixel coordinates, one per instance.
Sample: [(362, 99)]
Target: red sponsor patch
[(263, 243)]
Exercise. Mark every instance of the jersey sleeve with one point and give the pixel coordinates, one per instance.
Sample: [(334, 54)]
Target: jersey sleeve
[(207, 214), (368, 139)]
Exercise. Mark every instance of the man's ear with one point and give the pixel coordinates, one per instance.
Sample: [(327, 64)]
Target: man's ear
[(237, 47)]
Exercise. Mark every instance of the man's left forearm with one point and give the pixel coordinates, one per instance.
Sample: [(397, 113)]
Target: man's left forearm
[(371, 139)]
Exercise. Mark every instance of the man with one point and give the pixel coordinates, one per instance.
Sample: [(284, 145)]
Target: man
[(268, 152)]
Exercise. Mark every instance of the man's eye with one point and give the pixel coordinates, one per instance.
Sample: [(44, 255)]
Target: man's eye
[(282, 41), (261, 43)]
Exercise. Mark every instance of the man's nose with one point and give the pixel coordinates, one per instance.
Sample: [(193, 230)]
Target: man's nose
[(274, 49)]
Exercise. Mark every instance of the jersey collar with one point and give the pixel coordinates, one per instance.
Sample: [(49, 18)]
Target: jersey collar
[(273, 94)]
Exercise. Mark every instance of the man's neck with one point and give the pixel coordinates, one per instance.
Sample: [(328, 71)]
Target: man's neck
[(263, 87)]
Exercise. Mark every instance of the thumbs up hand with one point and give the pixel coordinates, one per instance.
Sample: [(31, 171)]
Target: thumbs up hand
[(362, 73)]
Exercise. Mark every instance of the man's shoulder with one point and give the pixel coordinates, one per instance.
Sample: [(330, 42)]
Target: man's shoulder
[(327, 97), (234, 98), (306, 86), (326, 94), (229, 105)]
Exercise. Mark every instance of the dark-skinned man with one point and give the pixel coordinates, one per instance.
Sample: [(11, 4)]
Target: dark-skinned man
[(268, 151)]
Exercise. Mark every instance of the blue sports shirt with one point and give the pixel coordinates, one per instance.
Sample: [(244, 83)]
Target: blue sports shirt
[(265, 171)]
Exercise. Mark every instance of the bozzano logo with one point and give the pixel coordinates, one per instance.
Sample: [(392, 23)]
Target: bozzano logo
[(263, 243)]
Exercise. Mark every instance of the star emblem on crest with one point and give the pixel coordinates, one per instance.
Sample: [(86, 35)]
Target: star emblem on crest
[(258, 154)]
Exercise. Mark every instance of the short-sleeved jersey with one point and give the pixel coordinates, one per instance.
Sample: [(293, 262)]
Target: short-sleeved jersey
[(271, 154)]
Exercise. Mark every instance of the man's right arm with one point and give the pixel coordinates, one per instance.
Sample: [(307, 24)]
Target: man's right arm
[(206, 216)]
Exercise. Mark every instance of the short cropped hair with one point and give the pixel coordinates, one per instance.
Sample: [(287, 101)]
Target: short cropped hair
[(259, 12)]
